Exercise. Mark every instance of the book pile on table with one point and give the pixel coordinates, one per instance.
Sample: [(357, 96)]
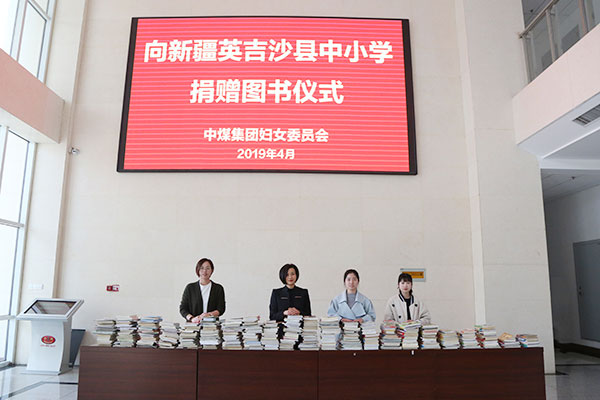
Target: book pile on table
[(529, 340), (350, 337), (508, 341), (429, 337), (310, 334), (251, 333), (105, 332), (188, 336), (468, 340), (487, 336), (409, 331), (232, 333), (127, 334), (329, 332), (390, 339), (448, 339), (270, 336), (370, 336), (149, 331), (169, 335), (291, 332), (210, 333)]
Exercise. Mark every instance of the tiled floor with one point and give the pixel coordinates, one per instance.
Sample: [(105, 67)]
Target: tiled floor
[(577, 378), (17, 385)]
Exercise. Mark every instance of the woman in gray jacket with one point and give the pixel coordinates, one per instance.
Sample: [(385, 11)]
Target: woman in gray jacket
[(351, 305), (405, 306)]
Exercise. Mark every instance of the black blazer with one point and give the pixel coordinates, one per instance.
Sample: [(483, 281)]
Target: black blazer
[(191, 300), (284, 298)]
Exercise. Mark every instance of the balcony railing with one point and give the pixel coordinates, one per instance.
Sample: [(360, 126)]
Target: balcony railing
[(555, 29)]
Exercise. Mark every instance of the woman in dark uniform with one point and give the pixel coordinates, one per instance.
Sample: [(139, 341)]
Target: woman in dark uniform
[(203, 298), (290, 299)]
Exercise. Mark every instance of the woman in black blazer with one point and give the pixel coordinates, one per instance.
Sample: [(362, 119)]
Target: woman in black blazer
[(203, 298), (290, 299)]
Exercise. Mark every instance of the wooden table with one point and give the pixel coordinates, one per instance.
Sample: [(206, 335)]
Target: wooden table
[(131, 373)]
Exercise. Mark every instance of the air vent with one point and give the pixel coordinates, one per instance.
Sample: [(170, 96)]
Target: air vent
[(589, 116)]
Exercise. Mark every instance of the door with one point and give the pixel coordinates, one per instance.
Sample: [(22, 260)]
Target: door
[(587, 270)]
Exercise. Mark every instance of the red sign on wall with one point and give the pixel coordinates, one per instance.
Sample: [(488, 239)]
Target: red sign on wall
[(268, 94)]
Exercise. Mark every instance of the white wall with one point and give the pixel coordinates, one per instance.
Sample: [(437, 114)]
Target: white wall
[(145, 231), (570, 219)]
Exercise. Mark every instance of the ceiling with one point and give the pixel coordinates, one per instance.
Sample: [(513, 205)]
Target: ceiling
[(560, 183)]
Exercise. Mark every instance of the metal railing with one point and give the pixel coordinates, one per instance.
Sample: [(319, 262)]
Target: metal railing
[(555, 29)]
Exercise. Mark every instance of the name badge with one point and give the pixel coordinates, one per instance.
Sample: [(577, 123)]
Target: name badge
[(284, 298)]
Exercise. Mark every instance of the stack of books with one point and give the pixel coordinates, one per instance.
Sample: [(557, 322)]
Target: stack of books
[(169, 335), (350, 337), (105, 331), (487, 336), (529, 340), (370, 337), (251, 333), (508, 341), (270, 336), (468, 340), (188, 336), (292, 332), (210, 333), (310, 334), (329, 332), (232, 333), (127, 326), (448, 339), (149, 331), (390, 339), (429, 337), (409, 331)]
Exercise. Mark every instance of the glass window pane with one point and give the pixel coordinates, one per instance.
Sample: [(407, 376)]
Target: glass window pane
[(11, 185), (3, 339), (592, 8), (567, 25), (8, 242), (8, 13), (32, 39), (539, 47), (43, 4)]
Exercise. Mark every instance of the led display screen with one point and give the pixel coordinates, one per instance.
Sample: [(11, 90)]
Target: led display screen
[(293, 94)]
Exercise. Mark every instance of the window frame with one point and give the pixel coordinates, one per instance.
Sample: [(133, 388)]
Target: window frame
[(19, 251), (17, 36)]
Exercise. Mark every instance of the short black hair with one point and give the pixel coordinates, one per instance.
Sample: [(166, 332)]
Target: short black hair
[(284, 271), (405, 277), (351, 271), (202, 261)]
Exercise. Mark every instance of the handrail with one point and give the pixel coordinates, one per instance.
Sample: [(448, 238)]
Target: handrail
[(537, 18), (11, 223), (5, 317)]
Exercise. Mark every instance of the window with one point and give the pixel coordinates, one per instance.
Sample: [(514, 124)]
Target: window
[(25, 32), (25, 27), (15, 175)]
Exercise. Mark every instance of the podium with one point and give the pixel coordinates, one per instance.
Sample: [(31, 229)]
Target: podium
[(50, 334)]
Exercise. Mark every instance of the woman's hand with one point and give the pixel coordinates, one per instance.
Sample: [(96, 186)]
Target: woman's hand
[(347, 320), (291, 311), (197, 319), (359, 320)]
